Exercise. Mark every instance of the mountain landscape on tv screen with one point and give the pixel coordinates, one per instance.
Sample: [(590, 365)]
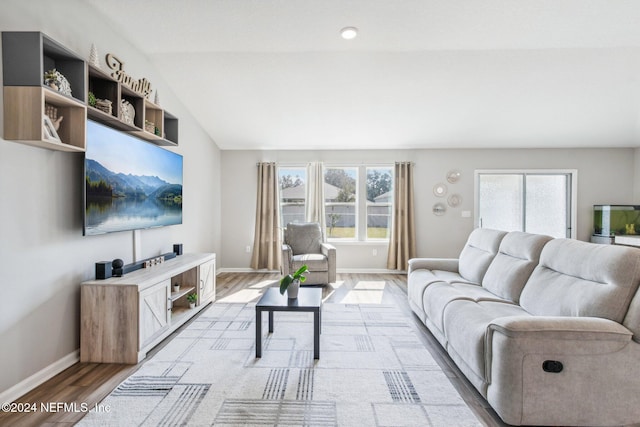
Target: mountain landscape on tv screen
[(119, 202), (103, 183)]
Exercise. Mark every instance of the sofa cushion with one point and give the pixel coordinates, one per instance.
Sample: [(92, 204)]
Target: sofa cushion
[(304, 238), (518, 255), (451, 277), (437, 296), (576, 278), (480, 249), (465, 326)]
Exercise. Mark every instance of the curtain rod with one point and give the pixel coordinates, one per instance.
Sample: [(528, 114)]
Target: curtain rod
[(339, 164)]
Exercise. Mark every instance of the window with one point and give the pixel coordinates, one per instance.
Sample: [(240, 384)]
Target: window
[(358, 202), (379, 202), (532, 201), (340, 195), (292, 194)]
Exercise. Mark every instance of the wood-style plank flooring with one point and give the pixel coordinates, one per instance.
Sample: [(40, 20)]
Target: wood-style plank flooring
[(89, 383)]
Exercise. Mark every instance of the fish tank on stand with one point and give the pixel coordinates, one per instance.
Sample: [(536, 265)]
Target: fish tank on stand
[(610, 221)]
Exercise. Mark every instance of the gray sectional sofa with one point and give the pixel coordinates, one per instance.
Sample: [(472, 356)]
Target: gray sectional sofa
[(547, 330)]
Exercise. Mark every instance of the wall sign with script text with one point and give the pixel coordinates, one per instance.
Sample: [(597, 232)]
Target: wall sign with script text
[(141, 86)]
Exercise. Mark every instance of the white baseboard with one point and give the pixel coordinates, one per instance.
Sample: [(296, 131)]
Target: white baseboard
[(39, 377), (339, 270), (245, 270)]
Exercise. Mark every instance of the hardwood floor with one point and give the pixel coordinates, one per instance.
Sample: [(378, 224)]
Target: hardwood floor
[(85, 384)]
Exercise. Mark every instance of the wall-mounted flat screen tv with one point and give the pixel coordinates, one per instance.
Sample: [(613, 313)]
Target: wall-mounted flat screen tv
[(130, 184)]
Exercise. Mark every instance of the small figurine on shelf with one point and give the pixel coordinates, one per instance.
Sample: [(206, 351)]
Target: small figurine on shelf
[(93, 56), (55, 80), (51, 79)]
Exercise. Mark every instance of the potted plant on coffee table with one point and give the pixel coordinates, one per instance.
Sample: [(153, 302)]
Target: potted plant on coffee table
[(291, 282)]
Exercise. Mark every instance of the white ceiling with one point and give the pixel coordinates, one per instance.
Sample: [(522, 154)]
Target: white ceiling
[(275, 74)]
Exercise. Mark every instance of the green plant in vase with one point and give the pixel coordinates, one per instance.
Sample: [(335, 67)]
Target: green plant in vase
[(92, 99), (291, 282), (192, 298)]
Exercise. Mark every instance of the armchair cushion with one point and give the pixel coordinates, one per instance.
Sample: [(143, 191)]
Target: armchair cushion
[(304, 238)]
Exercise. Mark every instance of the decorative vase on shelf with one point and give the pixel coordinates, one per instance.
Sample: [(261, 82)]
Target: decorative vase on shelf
[(192, 305), (292, 289), (176, 287)]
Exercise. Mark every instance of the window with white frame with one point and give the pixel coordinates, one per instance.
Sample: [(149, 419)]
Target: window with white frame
[(540, 202), (292, 182), (358, 202)]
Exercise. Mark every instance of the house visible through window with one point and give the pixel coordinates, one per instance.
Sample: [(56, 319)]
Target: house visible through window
[(531, 201), (379, 202), (292, 194), (358, 202)]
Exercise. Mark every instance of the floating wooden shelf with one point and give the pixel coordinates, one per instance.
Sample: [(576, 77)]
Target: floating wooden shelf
[(27, 55)]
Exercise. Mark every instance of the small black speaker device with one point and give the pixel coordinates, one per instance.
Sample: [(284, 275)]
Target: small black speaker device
[(103, 270), (117, 265), (177, 249)]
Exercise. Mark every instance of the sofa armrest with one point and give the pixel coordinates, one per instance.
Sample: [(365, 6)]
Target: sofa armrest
[(562, 328), (445, 264), (329, 251), (287, 253), (525, 384)]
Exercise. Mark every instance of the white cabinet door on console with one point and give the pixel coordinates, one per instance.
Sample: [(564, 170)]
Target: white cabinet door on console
[(207, 281), (155, 312)]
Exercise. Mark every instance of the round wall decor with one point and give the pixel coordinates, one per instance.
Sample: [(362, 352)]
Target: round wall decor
[(440, 190), (439, 209), (453, 176), (454, 200)]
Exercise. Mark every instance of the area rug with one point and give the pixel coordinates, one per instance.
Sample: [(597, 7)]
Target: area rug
[(373, 371)]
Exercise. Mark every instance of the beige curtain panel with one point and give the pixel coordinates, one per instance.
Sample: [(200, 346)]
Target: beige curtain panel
[(315, 211), (402, 245), (267, 242)]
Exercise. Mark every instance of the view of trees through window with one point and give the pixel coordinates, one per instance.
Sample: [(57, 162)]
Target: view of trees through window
[(292, 194), (340, 195), (379, 202), (353, 196)]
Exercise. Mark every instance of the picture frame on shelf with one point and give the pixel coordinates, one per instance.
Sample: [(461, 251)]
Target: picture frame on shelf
[(50, 133)]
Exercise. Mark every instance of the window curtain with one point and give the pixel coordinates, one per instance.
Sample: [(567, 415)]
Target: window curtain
[(314, 211), (402, 245), (267, 242)]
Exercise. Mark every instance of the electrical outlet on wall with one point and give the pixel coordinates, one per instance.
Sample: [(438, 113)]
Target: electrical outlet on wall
[(374, 252), (248, 249)]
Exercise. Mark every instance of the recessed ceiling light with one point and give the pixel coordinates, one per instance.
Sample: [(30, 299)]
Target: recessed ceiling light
[(349, 33)]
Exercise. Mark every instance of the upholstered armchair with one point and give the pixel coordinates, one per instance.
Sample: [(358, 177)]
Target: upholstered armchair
[(303, 245)]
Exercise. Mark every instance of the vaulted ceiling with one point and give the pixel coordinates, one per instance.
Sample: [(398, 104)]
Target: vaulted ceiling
[(275, 74)]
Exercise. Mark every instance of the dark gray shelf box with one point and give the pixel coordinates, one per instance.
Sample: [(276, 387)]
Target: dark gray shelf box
[(26, 55)]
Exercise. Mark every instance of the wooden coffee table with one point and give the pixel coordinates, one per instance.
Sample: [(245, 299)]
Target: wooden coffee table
[(309, 299)]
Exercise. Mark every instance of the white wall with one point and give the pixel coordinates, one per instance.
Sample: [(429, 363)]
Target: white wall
[(43, 255), (604, 176)]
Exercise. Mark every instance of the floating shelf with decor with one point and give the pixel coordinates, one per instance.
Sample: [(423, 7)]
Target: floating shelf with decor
[(44, 92), (130, 111)]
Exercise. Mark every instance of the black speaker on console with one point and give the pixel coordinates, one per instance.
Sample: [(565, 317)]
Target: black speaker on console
[(177, 249), (117, 267), (103, 270)]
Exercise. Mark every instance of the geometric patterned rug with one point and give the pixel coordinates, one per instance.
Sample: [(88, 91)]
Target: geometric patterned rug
[(373, 371)]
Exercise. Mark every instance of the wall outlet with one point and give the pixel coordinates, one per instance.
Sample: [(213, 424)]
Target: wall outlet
[(466, 214), (374, 252), (248, 249)]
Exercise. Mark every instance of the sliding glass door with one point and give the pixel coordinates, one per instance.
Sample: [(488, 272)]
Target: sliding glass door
[(535, 202)]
